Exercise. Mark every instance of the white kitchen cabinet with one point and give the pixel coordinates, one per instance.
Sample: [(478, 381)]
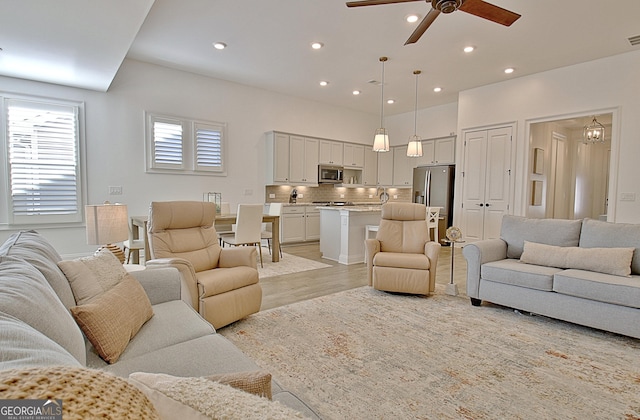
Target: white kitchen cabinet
[(303, 160), (402, 167), (385, 168), (370, 169), (277, 158), (428, 153), (437, 152), (331, 152), (353, 156), (299, 223)]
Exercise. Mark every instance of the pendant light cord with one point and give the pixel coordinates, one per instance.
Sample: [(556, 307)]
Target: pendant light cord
[(415, 114), (382, 59)]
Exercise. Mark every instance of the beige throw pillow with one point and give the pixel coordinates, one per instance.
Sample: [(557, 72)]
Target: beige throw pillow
[(176, 397), (91, 276), (615, 261), (113, 318), (256, 382)]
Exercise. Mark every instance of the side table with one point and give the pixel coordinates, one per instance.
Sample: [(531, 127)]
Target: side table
[(452, 288)]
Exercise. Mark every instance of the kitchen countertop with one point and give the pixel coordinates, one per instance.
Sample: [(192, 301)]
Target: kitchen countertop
[(356, 208)]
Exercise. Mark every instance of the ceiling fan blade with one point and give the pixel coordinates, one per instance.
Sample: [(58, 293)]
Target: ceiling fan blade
[(489, 11), (423, 26), (375, 2)]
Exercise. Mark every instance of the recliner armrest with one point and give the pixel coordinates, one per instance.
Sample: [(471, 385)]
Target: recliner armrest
[(432, 250), (238, 256), (189, 282), (371, 248)]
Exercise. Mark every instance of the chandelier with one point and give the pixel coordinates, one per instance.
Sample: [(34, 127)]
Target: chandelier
[(593, 132)]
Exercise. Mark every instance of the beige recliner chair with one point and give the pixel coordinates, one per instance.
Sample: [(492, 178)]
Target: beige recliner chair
[(221, 284), (402, 258)]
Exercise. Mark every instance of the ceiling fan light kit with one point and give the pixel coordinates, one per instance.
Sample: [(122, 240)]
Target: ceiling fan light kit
[(477, 8)]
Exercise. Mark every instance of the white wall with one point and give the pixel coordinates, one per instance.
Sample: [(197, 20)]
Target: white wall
[(609, 84), (437, 121), (115, 136)]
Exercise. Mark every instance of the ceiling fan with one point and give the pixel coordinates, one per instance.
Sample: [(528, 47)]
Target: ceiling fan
[(478, 8)]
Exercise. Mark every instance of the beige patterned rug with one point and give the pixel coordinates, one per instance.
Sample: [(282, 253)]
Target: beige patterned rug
[(367, 354), (288, 264)]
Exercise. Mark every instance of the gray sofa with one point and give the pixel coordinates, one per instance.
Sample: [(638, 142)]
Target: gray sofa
[(561, 269), (37, 329)]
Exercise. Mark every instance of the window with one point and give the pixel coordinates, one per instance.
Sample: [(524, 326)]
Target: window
[(177, 145), (40, 155)]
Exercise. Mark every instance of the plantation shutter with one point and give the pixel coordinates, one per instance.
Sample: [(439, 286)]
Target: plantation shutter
[(209, 148), (43, 162), (167, 144)]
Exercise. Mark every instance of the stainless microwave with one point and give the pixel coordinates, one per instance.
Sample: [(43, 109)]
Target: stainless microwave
[(330, 174)]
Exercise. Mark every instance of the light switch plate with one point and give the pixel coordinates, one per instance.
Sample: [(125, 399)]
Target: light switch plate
[(272, 196), (628, 196)]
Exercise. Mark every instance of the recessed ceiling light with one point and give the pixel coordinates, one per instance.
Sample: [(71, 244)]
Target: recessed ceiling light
[(219, 45), (437, 89), (391, 101), (356, 92), (323, 83), (412, 18), (509, 70), (317, 45), (469, 48)]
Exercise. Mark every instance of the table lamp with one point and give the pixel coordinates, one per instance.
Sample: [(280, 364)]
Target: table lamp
[(107, 223)]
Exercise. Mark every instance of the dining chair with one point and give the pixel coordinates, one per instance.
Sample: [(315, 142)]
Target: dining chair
[(133, 245), (225, 208), (433, 216), (248, 228), (275, 209)]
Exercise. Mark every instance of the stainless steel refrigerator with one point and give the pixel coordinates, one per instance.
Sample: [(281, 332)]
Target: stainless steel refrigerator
[(433, 186)]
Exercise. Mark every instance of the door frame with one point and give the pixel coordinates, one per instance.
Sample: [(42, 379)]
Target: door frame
[(614, 160), (459, 180)]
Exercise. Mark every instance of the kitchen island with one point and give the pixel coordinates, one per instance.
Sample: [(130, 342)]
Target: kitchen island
[(342, 231)]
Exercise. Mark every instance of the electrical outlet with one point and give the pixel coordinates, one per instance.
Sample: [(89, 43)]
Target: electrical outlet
[(300, 195), (115, 190), (370, 195), (627, 197), (272, 196), (341, 195), (395, 196), (248, 192)]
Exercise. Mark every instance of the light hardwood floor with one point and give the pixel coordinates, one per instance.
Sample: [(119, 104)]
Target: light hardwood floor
[(290, 288)]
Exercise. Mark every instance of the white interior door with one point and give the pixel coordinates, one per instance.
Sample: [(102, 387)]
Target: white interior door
[(487, 174)]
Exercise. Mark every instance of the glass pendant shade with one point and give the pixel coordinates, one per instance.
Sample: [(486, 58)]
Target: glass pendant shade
[(593, 133), (381, 140), (414, 147)]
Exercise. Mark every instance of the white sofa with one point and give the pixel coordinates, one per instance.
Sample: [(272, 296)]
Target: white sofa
[(37, 329), (573, 282)]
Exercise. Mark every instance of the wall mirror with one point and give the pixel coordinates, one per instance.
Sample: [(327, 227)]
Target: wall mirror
[(569, 178)]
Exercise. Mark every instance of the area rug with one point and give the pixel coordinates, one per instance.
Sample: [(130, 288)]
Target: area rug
[(368, 354), (288, 264)]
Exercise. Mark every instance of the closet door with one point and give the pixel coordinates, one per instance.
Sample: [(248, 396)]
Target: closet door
[(487, 174)]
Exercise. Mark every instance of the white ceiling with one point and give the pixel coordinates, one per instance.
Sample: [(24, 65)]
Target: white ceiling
[(82, 44)]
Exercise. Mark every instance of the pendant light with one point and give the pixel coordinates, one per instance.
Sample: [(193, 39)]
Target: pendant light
[(593, 133), (414, 148), (381, 138)]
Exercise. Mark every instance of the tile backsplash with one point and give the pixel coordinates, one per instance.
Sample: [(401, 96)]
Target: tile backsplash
[(328, 192)]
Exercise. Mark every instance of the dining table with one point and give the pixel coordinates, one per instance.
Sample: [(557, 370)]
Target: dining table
[(139, 224)]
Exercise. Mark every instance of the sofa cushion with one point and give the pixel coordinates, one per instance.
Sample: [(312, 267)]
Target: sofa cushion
[(113, 318), (91, 276), (26, 295), (599, 287), (33, 248), (254, 382), (210, 398), (85, 393), (614, 261), (596, 234), (23, 346), (515, 230), (516, 273)]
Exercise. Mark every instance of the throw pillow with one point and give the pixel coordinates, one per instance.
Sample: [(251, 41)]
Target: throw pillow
[(113, 318), (85, 393), (91, 276), (173, 396), (615, 261), (256, 382)]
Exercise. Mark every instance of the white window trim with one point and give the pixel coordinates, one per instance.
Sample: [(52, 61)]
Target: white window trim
[(7, 218), (189, 164)]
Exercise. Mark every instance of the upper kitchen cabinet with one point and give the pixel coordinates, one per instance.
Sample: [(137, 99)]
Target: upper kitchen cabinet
[(291, 159), (331, 152), (437, 152), (303, 162), (370, 170), (353, 156), (402, 167), (385, 168)]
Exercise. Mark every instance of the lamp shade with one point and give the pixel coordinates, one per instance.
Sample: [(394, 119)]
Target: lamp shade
[(106, 223), (414, 147), (381, 140)]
